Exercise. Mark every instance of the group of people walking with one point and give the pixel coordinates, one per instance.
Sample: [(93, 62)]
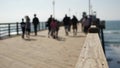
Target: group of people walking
[(68, 22), (26, 26), (86, 22), (53, 25)]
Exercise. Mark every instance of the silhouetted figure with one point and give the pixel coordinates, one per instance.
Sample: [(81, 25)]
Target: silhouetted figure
[(28, 26), (35, 24), (53, 25), (23, 28), (81, 20), (86, 24), (57, 28), (70, 23), (66, 22), (48, 25), (74, 25), (83, 16)]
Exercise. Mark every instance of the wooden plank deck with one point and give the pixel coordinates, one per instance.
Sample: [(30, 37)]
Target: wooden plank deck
[(41, 51), (92, 55)]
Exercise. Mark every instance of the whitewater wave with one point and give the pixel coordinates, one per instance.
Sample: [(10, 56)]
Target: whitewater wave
[(112, 31), (112, 41)]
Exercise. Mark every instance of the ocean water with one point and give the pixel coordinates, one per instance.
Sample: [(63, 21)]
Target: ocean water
[(112, 43)]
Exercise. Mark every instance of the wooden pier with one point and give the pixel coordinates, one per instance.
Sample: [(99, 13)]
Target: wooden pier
[(92, 55), (81, 51)]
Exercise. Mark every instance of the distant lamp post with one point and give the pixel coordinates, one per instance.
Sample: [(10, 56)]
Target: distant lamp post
[(89, 4), (53, 8), (69, 12), (90, 7), (94, 13)]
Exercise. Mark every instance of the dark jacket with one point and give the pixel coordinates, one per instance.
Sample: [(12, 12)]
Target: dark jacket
[(35, 21), (74, 21), (66, 21)]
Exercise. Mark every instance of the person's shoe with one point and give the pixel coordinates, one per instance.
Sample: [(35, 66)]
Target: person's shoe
[(35, 34)]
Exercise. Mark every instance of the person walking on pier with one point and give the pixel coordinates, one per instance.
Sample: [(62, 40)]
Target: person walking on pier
[(35, 24), (82, 20), (86, 24), (48, 25), (57, 28), (70, 23), (66, 22), (74, 25), (23, 28), (53, 26), (28, 26)]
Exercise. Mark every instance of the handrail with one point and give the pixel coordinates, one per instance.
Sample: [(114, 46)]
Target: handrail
[(6, 29)]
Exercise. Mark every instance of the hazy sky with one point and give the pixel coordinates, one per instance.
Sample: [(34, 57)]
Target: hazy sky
[(14, 10)]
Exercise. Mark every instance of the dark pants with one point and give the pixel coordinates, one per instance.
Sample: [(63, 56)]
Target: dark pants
[(86, 29), (66, 29), (23, 32), (69, 28), (35, 29), (49, 30), (28, 31)]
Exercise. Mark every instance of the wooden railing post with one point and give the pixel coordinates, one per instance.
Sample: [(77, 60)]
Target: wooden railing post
[(0, 32), (102, 26), (17, 28), (39, 26), (9, 30), (42, 26), (102, 37)]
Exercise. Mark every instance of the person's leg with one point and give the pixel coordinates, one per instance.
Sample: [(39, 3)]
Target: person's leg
[(35, 29), (52, 33), (23, 32), (57, 33), (70, 28), (49, 31), (85, 29), (28, 33), (73, 30), (76, 30), (67, 28)]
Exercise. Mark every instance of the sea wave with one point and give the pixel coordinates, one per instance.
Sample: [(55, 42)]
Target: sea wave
[(112, 31), (112, 41)]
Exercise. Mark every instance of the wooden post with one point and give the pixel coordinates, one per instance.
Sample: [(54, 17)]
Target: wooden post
[(39, 26), (17, 29), (42, 27), (0, 33), (9, 30), (102, 37), (102, 26)]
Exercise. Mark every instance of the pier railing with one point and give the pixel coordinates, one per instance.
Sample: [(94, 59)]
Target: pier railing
[(92, 54), (9, 29)]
